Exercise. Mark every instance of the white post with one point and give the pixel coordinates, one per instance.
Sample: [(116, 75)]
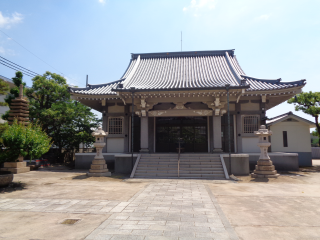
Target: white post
[(217, 143), (144, 140)]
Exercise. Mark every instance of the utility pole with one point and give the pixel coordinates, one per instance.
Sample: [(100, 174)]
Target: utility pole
[(132, 124), (181, 41), (229, 139)]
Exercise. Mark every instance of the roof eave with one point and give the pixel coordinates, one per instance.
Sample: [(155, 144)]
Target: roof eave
[(178, 89)]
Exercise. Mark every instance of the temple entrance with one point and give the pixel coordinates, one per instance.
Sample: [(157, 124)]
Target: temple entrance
[(193, 131)]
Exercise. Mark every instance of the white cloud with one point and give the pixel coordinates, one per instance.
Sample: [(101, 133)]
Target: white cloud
[(197, 5), (7, 22), (102, 1), (6, 52), (264, 17)]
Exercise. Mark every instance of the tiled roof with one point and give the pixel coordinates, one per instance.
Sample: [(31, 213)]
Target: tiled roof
[(273, 120), (185, 70), (98, 89)]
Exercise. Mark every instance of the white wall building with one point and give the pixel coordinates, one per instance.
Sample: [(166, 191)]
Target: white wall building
[(291, 133)]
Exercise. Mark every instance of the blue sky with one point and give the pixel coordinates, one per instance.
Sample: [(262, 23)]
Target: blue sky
[(272, 39)]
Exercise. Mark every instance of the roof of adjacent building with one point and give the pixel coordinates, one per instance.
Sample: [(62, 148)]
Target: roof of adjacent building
[(286, 116), (185, 70), (8, 80)]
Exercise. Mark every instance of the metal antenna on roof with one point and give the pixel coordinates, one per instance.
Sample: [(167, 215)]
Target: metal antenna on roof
[(181, 41), (87, 81)]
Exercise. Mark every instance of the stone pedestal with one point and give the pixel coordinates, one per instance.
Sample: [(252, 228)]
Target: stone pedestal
[(99, 167), (264, 167), (15, 167)]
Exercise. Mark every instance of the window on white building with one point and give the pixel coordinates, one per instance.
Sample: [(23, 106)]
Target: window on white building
[(250, 124), (115, 125)]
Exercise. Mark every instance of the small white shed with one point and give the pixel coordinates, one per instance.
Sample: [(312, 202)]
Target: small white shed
[(291, 134)]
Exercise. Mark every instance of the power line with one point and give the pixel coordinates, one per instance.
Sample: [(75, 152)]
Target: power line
[(34, 55), (16, 69), (19, 66)]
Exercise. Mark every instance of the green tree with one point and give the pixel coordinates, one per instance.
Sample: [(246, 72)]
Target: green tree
[(14, 92), (66, 121), (309, 103), (19, 139), (4, 89)]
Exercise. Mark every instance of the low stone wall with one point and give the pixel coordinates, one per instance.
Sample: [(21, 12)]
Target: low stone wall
[(239, 164), (281, 161), (124, 163), (315, 152), (84, 160), (117, 162)]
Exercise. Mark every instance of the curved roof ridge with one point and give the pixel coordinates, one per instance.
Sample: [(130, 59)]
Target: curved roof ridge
[(180, 54), (278, 80), (92, 86), (232, 68), (105, 84)]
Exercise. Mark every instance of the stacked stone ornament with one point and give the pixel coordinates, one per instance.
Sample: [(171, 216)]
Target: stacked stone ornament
[(264, 167), (19, 109), (99, 166)]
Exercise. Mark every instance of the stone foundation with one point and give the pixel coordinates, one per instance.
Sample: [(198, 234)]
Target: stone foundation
[(264, 169), (15, 167)]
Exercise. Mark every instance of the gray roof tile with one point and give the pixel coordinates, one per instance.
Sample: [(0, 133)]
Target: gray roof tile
[(183, 70)]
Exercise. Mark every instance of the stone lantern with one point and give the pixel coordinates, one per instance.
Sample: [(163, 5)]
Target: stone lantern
[(264, 167), (99, 166)]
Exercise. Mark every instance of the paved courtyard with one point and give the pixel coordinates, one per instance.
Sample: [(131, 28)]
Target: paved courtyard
[(111, 208)]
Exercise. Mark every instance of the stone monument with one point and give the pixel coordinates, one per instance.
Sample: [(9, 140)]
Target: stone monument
[(264, 167), (99, 166), (19, 109)]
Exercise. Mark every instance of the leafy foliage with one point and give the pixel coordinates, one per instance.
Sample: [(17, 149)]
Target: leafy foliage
[(19, 139), (309, 103), (66, 121), (4, 89)]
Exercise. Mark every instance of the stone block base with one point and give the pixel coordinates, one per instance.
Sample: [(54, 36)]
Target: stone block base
[(254, 175), (99, 168), (217, 150), (144, 150), (14, 164), (104, 174), (16, 167), (17, 170)]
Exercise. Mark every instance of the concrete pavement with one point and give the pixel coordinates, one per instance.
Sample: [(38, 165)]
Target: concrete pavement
[(115, 208)]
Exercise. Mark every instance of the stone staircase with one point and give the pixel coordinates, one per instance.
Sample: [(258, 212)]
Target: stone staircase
[(203, 166)]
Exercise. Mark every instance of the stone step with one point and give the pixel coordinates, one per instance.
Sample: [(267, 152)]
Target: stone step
[(202, 166), (157, 172), (201, 172), (181, 160), (156, 175), (203, 175), (181, 154)]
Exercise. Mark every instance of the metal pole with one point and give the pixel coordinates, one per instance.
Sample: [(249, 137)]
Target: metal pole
[(229, 138), (181, 41), (132, 125)]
